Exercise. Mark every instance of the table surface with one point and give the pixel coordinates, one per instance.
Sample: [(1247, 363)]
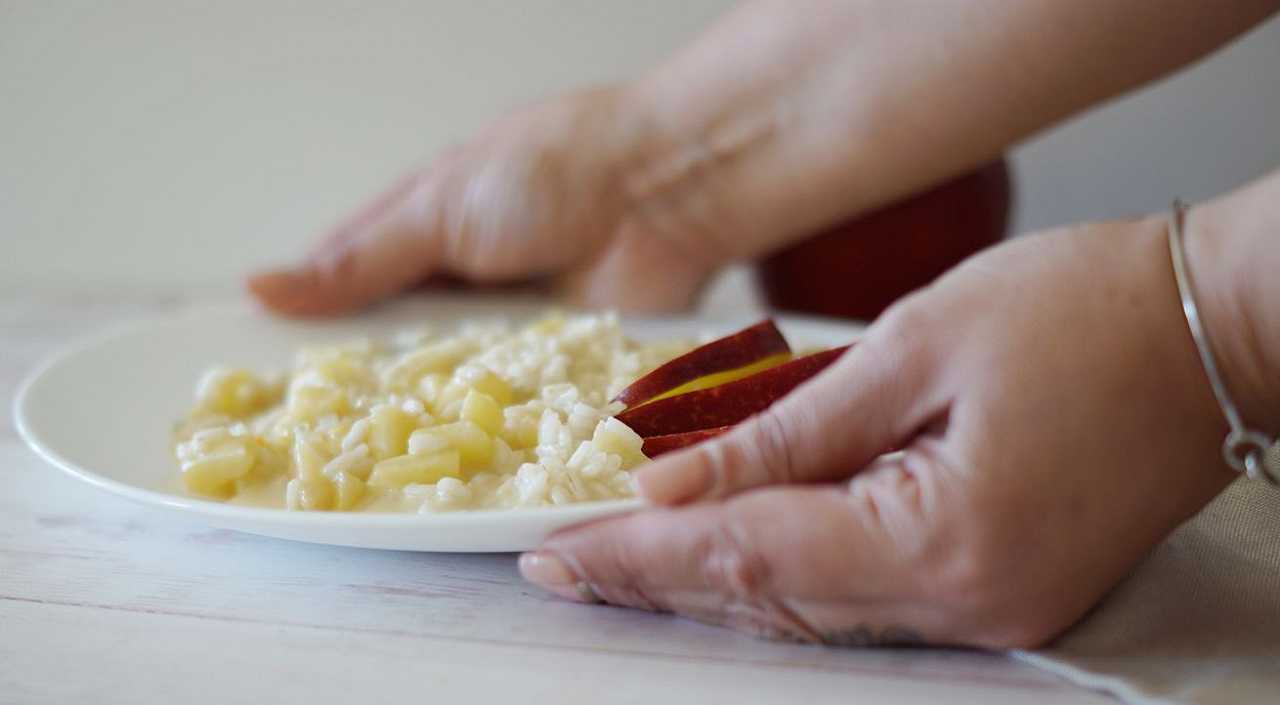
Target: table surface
[(104, 601)]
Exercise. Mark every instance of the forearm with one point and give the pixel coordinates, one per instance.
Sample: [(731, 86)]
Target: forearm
[(788, 116), (1233, 254)]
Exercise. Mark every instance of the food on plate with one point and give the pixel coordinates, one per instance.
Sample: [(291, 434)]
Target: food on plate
[(728, 403), (482, 417), (735, 356)]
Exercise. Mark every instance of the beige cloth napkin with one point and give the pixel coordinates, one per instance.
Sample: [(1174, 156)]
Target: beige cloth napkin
[(1198, 621)]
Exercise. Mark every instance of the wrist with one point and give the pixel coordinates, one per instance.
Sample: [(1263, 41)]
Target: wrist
[(1232, 259), (693, 168)]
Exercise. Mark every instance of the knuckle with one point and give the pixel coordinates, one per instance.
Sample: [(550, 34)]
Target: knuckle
[(905, 318), (893, 501), (718, 460), (897, 346), (771, 439), (731, 567), (757, 452), (421, 178), (897, 334), (420, 192)]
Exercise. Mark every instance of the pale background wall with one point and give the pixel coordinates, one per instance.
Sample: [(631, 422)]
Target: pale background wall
[(173, 142)]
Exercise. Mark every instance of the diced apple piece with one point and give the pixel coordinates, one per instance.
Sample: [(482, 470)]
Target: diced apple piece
[(471, 441), (340, 367), (395, 473), (484, 380), (430, 386), (269, 460), (448, 404), (726, 404), (316, 494), (389, 429), (613, 436), (268, 463), (308, 461), (311, 401), (355, 462), (213, 474), (426, 441), (234, 392), (482, 410), (658, 445), (520, 427), (473, 445), (747, 346), (350, 490), (435, 357)]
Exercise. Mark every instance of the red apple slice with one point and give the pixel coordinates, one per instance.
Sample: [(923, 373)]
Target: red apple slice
[(726, 404), (732, 352), (657, 445)]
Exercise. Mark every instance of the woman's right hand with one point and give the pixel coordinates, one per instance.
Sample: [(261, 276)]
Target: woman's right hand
[(1055, 423), (545, 195)]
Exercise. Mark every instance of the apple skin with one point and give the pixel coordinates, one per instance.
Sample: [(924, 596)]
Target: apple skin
[(858, 268), (658, 445), (728, 403), (730, 352)]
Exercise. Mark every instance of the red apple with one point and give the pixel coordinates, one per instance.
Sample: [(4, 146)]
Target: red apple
[(726, 404), (732, 352), (657, 445), (856, 269)]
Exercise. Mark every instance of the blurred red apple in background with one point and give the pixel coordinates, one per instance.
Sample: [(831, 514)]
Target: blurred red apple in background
[(858, 268)]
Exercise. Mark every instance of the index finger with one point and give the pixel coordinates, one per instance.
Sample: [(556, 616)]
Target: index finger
[(785, 554)]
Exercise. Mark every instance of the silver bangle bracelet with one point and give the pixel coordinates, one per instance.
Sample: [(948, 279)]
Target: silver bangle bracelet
[(1244, 449)]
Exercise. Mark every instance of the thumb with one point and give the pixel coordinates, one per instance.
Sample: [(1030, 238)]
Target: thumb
[(872, 400), (392, 243)]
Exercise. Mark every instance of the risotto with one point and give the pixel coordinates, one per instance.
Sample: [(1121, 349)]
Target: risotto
[(482, 417)]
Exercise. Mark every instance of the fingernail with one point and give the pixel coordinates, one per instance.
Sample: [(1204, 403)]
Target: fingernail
[(546, 569), (672, 484), (549, 572)]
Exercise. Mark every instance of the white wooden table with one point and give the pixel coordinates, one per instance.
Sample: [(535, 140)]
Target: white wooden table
[(102, 601)]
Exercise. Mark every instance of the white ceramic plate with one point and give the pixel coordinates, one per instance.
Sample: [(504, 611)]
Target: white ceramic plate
[(102, 411)]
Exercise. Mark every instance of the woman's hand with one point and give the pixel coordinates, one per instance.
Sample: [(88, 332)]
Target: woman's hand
[(773, 125), (545, 195), (1055, 424)]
